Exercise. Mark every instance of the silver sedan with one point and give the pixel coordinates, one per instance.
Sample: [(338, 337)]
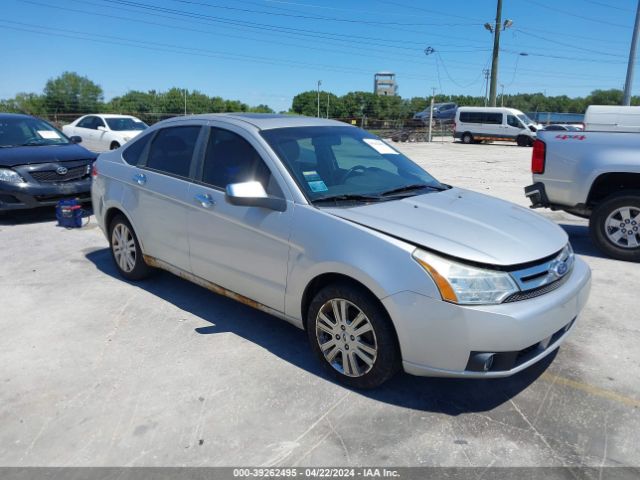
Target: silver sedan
[(333, 230)]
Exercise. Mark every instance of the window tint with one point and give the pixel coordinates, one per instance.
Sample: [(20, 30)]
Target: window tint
[(481, 117), (86, 122), (492, 118), (98, 122), (172, 150), (134, 150), (231, 159), (513, 121)]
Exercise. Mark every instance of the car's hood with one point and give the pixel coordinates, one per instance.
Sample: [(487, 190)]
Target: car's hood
[(13, 156), (463, 224)]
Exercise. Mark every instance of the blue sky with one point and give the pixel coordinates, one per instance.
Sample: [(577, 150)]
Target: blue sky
[(266, 51)]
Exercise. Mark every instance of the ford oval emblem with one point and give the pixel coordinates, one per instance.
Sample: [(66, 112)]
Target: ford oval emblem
[(560, 269), (62, 170)]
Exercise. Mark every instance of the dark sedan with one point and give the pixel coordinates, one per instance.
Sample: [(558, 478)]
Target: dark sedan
[(39, 165)]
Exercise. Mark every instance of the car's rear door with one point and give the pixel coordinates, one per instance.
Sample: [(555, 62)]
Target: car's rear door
[(243, 249), (158, 199)]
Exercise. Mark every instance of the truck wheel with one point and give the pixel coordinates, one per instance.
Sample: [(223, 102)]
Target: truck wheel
[(524, 141), (352, 335), (615, 226), (467, 138)]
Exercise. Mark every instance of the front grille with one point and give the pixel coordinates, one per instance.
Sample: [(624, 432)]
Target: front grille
[(51, 176), (536, 292)]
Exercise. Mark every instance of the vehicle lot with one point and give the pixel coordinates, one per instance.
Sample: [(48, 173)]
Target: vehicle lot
[(97, 371)]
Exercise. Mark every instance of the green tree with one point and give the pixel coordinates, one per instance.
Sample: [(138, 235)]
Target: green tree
[(72, 93)]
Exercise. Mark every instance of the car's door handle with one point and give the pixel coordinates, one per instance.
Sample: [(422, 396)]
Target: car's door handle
[(205, 200), (140, 178)]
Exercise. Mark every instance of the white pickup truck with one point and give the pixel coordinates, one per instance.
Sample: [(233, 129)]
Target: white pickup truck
[(594, 175)]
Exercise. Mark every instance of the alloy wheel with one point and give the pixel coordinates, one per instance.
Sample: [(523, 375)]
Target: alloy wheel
[(124, 247), (622, 227), (346, 337)]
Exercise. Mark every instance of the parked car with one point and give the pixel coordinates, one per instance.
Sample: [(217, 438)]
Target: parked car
[(594, 175), (330, 228), (481, 124), (39, 165), (561, 128), (105, 132), (612, 118), (441, 111)]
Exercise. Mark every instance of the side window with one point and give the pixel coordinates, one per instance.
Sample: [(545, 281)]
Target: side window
[(231, 159), (85, 122), (133, 151), (172, 149), (513, 121), (98, 122), (492, 118)]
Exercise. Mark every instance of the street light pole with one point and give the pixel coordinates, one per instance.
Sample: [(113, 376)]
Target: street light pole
[(319, 83), (496, 51), (502, 94), (185, 101), (626, 100)]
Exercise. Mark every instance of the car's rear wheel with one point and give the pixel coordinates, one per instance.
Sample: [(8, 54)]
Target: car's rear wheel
[(467, 138), (615, 226), (352, 335), (126, 251)]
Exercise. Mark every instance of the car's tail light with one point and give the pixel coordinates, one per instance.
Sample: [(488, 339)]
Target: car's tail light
[(94, 170), (538, 157)]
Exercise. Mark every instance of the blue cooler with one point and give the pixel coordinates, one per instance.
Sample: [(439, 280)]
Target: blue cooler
[(69, 213)]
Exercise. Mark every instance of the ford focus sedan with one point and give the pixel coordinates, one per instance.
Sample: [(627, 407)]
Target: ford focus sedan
[(331, 229)]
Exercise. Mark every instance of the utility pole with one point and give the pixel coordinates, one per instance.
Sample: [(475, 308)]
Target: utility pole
[(486, 85), (185, 101), (433, 94), (626, 100), (319, 83), (496, 51), (502, 94), (327, 105)]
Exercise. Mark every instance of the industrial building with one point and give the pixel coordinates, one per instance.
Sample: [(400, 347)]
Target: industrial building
[(384, 83)]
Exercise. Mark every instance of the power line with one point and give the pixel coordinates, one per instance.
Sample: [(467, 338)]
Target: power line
[(608, 5), (557, 42), (575, 15)]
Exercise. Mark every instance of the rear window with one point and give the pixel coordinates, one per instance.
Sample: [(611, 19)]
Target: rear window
[(133, 152)]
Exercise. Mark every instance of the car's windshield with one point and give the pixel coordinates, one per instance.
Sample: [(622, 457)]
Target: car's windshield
[(526, 120), (122, 124), (28, 131), (347, 163)]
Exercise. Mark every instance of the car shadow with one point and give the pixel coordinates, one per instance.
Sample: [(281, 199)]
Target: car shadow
[(22, 217), (581, 240), (441, 395)]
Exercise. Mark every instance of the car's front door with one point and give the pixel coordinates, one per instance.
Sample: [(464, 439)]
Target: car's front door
[(243, 249), (101, 135), (160, 188), (85, 130)]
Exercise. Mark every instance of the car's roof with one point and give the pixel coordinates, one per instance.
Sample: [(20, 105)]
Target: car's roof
[(108, 115), (4, 116), (265, 121)]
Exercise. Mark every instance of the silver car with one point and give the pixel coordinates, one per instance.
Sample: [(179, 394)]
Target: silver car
[(331, 229)]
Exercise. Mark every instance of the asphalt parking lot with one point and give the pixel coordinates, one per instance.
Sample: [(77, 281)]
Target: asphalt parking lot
[(97, 371)]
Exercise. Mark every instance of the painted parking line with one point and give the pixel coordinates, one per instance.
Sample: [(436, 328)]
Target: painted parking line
[(591, 389)]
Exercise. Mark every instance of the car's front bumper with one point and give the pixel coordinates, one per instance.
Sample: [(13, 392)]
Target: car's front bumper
[(28, 195), (438, 338)]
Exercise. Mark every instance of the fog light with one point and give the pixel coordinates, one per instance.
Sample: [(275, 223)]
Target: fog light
[(481, 362)]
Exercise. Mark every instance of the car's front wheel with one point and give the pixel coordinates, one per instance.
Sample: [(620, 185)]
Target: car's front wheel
[(114, 146), (615, 226), (352, 335), (126, 251)]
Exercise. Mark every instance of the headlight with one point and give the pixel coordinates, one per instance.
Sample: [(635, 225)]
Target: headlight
[(9, 176), (465, 284)]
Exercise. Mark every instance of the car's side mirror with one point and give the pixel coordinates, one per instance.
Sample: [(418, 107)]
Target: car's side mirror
[(75, 139), (253, 194), (102, 129)]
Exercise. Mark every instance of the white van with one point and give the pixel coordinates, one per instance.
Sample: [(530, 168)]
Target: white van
[(478, 124), (612, 118)]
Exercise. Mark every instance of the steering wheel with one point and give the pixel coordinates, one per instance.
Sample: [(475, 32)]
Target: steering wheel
[(352, 170)]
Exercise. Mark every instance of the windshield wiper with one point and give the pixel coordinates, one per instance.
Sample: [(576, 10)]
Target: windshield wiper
[(349, 196), (409, 188)]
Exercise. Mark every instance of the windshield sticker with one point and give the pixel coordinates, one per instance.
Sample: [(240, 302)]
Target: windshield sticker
[(314, 181), (48, 134), (379, 146)]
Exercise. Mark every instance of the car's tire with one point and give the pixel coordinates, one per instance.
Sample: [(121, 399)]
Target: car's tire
[(126, 251), (114, 146), (615, 226), (524, 141), (360, 347), (467, 138)]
